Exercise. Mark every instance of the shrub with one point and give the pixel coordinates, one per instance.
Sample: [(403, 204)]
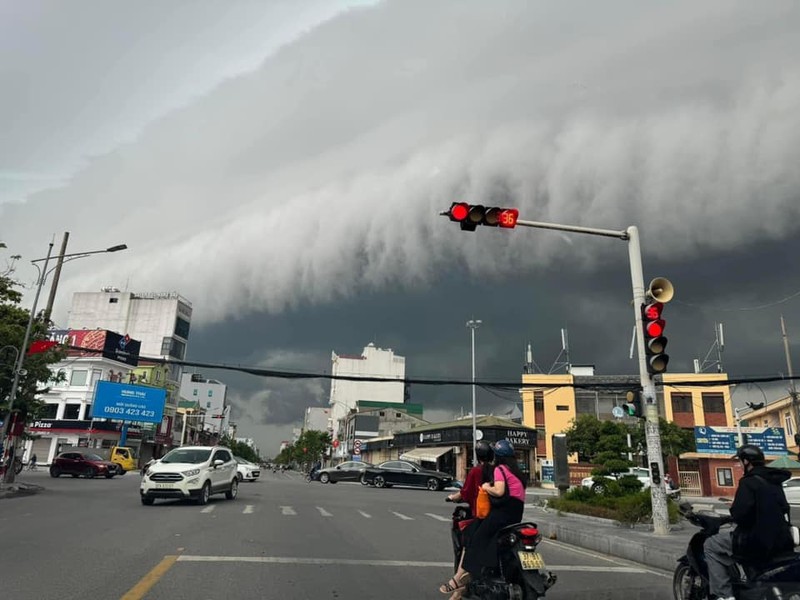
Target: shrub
[(630, 484), (580, 494)]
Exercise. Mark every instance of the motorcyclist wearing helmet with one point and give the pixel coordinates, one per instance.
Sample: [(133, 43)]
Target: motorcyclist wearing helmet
[(761, 514)]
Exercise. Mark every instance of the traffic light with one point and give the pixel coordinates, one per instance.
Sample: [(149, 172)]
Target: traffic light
[(655, 344), (633, 404), (472, 215)]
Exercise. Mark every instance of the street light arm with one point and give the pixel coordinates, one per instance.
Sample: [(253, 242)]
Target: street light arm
[(75, 255)]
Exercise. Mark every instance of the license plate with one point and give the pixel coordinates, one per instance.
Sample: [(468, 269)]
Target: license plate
[(530, 560), (164, 485)]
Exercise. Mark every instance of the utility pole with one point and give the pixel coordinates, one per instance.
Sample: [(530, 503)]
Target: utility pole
[(473, 324), (56, 276), (792, 386)]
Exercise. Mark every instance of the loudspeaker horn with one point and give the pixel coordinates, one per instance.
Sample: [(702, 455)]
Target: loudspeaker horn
[(661, 290)]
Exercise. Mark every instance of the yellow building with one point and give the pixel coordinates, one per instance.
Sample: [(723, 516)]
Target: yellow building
[(551, 410), (778, 413)]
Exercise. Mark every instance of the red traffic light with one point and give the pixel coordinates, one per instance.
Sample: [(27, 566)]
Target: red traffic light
[(472, 215), (655, 328), (655, 343), (459, 211), (653, 310)]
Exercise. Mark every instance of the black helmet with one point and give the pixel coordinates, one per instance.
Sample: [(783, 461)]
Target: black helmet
[(484, 452), (503, 448), (750, 453)]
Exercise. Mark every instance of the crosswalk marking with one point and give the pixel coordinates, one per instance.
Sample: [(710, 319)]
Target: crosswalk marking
[(402, 516), (209, 508), (365, 515), (438, 517), (287, 510), (248, 510), (324, 512)]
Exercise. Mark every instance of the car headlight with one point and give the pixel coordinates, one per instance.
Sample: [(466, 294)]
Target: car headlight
[(191, 472)]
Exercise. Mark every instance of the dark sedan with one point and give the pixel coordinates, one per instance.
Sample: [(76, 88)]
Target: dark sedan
[(82, 464), (401, 472), (346, 471)]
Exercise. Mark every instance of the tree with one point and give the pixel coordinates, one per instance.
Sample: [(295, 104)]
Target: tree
[(241, 449), (36, 371), (675, 440), (309, 447)]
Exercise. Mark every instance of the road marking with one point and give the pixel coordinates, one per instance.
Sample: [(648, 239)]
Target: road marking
[(291, 560), (402, 516), (209, 509), (365, 515), (592, 554), (324, 512), (287, 510), (438, 517), (138, 591), (248, 510)]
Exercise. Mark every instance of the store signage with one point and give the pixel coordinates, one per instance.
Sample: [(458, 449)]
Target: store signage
[(725, 440), (125, 402)]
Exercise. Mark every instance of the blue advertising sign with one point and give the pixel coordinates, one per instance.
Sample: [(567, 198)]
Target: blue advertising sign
[(547, 473), (725, 440), (125, 402)]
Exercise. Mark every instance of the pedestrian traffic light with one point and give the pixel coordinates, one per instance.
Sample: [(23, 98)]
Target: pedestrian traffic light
[(633, 404), (472, 215)]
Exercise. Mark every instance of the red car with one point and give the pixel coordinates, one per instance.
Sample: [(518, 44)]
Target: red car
[(78, 464)]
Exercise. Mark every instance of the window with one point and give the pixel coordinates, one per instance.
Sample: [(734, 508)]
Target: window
[(194, 392), (398, 415), (210, 393), (182, 328), (87, 413), (789, 424), (725, 477), (538, 400), (794, 482), (681, 402), (562, 407), (113, 300), (178, 349), (97, 375), (78, 378), (713, 402), (48, 411), (71, 411), (382, 414)]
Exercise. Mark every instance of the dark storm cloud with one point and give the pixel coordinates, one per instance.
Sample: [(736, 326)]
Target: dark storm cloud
[(295, 205)]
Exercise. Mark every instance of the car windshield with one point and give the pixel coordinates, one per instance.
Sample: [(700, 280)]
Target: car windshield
[(185, 455)]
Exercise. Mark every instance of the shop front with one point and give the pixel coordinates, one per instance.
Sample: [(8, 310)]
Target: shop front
[(52, 436)]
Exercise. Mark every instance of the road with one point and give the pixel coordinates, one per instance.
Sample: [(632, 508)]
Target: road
[(281, 538)]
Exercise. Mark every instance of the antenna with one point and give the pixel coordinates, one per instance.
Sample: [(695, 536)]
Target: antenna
[(558, 364), (716, 349), (530, 365)]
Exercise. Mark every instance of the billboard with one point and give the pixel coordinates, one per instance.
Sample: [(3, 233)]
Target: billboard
[(125, 402), (121, 348), (725, 440)]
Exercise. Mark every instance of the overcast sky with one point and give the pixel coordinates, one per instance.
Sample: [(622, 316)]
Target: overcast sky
[(282, 165)]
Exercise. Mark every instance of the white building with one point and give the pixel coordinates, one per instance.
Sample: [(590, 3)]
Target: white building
[(373, 362), (317, 418), (160, 320), (212, 396), (66, 417)]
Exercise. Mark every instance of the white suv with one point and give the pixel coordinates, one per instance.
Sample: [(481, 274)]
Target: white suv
[(191, 472)]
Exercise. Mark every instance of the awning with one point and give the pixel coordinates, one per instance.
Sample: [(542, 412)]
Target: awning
[(425, 454)]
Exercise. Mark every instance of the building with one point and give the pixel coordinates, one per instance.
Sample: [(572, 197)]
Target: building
[(377, 421), (317, 418), (161, 321), (372, 362), (212, 397), (552, 408), (775, 413)]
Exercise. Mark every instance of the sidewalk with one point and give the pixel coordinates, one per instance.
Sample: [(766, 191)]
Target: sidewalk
[(18, 488), (638, 544)]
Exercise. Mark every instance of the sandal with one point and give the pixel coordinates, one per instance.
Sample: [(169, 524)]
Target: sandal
[(446, 588)]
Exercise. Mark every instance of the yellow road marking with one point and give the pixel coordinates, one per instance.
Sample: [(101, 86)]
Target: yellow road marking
[(138, 591)]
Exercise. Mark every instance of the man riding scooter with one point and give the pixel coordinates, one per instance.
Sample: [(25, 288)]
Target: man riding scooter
[(761, 514)]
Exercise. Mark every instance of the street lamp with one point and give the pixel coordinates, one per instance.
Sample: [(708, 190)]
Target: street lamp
[(43, 273), (473, 324)]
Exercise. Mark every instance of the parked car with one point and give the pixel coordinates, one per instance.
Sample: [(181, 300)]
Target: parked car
[(791, 487), (82, 464), (641, 473), (194, 472), (245, 470), (403, 472), (351, 470)]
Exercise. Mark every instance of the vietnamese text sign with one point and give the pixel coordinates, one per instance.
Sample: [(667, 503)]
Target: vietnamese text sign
[(725, 440), (125, 402)]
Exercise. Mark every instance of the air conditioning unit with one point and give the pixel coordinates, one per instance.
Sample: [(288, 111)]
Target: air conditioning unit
[(456, 449)]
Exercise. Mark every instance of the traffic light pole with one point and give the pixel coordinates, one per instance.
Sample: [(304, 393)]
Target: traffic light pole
[(658, 492)]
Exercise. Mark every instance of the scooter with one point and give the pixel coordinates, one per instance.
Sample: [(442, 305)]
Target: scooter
[(777, 580), (521, 575)]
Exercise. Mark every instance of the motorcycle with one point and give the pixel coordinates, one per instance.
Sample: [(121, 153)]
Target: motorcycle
[(777, 580), (521, 575)]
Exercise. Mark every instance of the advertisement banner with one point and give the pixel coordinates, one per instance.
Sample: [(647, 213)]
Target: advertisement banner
[(121, 348), (125, 402), (725, 440)]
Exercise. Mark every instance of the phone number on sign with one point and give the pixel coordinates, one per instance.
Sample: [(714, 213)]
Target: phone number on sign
[(119, 411)]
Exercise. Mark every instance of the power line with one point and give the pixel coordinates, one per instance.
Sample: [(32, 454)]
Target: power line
[(740, 309)]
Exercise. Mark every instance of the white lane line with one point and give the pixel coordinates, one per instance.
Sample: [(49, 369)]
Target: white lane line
[(324, 512), (248, 510), (438, 517), (402, 516), (209, 509), (365, 515), (290, 560), (287, 510)]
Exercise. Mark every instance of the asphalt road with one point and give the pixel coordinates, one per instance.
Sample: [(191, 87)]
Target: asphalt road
[(281, 538)]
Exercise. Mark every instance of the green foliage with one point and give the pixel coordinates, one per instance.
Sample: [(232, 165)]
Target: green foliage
[(310, 447), (630, 484), (579, 494), (241, 449), (628, 509)]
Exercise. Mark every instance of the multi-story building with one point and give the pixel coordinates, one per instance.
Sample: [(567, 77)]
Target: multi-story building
[(776, 413), (552, 408), (212, 397), (372, 362), (373, 422), (316, 418)]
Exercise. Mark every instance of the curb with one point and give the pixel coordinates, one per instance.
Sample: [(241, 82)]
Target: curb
[(15, 490)]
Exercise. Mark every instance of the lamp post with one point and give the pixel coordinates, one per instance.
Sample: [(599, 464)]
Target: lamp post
[(18, 371), (473, 324)]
